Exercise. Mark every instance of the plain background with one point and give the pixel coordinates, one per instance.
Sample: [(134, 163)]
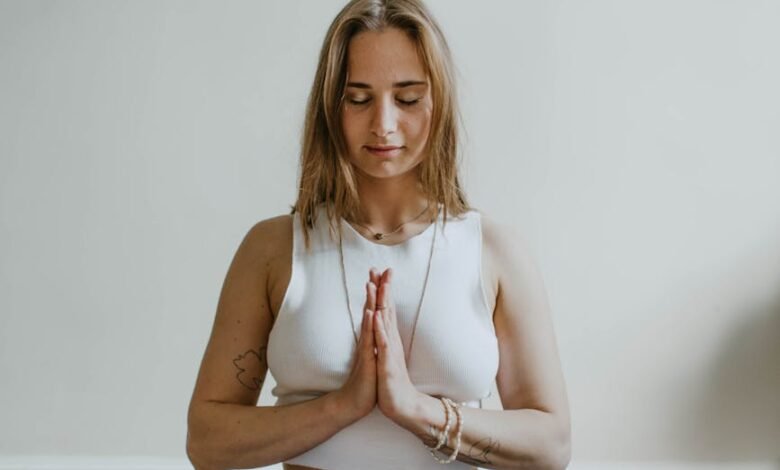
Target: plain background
[(634, 143)]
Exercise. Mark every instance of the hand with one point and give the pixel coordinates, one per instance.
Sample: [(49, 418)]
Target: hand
[(396, 395), (359, 391)]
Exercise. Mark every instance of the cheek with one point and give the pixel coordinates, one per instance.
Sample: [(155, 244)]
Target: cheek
[(419, 127), (351, 128)]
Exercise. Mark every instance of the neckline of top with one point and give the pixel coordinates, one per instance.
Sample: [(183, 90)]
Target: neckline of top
[(417, 236)]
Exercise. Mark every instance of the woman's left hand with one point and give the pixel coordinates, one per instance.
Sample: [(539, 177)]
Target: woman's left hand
[(396, 395)]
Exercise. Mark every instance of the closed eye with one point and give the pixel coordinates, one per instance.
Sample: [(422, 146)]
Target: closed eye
[(405, 103)]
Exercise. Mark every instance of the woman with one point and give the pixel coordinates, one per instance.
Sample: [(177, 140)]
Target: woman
[(455, 304)]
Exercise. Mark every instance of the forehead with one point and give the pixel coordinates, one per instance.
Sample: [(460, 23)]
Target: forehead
[(383, 58)]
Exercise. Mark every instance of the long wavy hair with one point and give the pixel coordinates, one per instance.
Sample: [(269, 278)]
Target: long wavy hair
[(326, 175)]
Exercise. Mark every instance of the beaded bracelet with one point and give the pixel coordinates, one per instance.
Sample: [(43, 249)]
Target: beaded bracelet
[(459, 430), (456, 408), (443, 435)]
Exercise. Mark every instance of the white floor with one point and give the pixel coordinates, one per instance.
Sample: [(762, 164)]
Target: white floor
[(155, 463)]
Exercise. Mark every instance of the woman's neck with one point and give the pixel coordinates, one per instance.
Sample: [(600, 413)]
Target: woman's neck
[(387, 203)]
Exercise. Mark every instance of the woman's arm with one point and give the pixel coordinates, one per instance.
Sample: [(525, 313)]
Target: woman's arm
[(533, 429), (228, 435), (225, 427), (517, 439)]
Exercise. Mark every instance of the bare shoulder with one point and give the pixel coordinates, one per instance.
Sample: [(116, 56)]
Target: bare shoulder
[(273, 237), (504, 246), (234, 367), (268, 235), (268, 239)]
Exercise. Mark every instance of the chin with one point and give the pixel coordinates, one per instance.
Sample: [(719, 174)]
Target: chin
[(367, 164), (385, 171)]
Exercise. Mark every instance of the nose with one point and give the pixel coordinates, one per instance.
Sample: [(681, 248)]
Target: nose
[(384, 120)]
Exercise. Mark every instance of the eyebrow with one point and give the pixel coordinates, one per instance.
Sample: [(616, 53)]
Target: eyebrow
[(403, 84)]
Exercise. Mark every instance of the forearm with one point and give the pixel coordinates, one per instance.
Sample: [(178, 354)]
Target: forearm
[(518, 439), (226, 435)]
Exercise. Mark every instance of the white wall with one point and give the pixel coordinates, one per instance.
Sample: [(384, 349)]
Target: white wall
[(635, 143)]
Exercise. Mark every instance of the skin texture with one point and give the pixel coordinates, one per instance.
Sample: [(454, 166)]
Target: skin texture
[(384, 114)]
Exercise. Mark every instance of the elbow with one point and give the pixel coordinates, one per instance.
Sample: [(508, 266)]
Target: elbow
[(200, 460), (195, 455), (553, 458), (193, 448), (199, 452), (558, 453), (559, 458)]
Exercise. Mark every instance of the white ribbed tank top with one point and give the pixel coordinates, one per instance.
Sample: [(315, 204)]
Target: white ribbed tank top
[(311, 346)]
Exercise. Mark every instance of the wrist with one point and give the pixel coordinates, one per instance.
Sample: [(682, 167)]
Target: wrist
[(426, 416), (340, 409)]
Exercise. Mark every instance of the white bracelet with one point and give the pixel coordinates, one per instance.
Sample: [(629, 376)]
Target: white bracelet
[(456, 408), (442, 435), (459, 432)]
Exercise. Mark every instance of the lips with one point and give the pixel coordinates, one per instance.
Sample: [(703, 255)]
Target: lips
[(382, 147), (384, 151)]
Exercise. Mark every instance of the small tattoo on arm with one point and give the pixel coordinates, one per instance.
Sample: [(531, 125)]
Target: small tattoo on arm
[(250, 366), (482, 455), (477, 454)]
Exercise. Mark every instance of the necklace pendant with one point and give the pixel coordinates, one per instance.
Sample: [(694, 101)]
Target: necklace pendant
[(378, 236)]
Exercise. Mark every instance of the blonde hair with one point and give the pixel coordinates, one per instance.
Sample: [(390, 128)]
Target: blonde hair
[(326, 175)]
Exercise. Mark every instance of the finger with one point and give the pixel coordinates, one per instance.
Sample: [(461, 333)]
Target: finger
[(371, 296), (385, 328), (368, 331), (387, 319), (380, 294), (380, 277), (372, 334), (363, 328), (366, 305), (386, 276), (370, 304), (366, 314), (370, 343), (371, 311), (380, 334), (387, 295)]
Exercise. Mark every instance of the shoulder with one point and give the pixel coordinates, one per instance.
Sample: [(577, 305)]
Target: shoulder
[(507, 247), (268, 237), (500, 237), (273, 227)]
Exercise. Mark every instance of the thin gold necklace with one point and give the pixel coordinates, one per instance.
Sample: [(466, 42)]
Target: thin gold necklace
[(381, 236), (407, 354)]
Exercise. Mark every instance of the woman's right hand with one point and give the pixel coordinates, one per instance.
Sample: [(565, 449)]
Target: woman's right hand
[(358, 393)]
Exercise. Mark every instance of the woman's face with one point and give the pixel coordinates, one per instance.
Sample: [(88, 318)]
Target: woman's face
[(387, 103)]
